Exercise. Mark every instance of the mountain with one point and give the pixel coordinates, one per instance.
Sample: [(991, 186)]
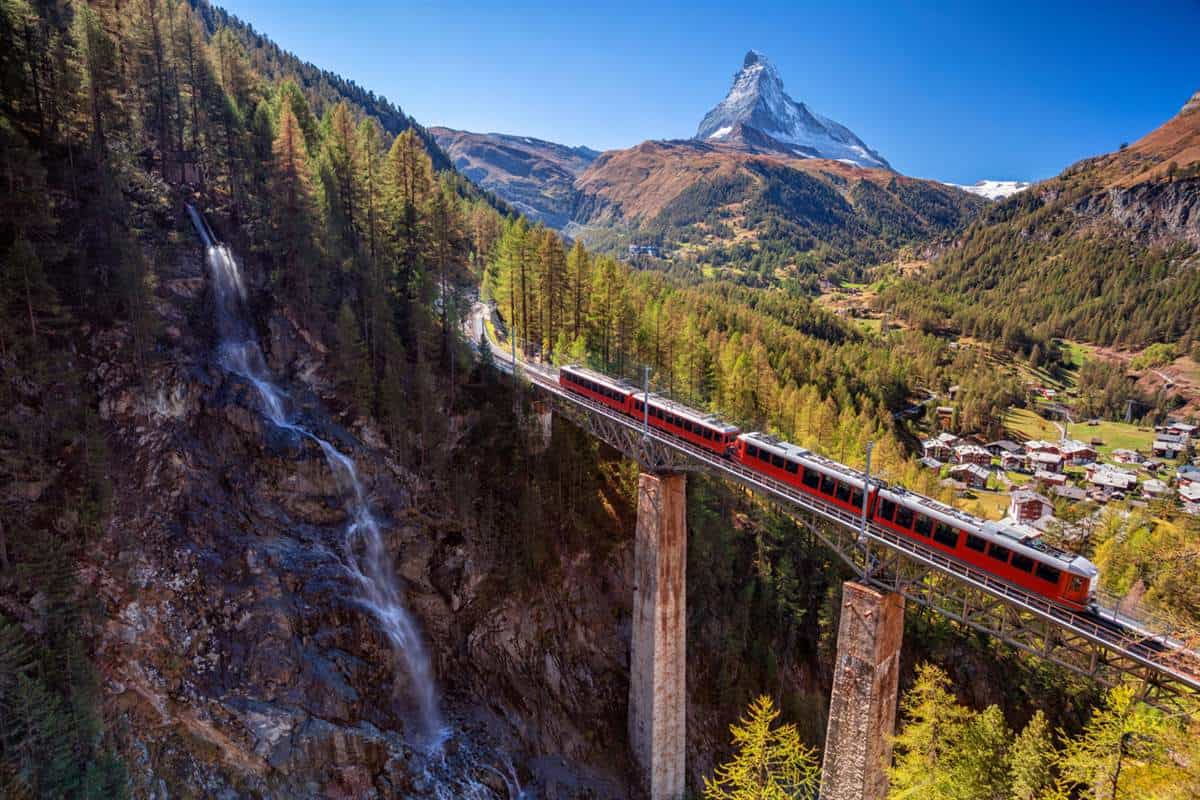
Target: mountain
[(993, 190), (767, 189), (765, 215), (535, 176), (1107, 252), (758, 115)]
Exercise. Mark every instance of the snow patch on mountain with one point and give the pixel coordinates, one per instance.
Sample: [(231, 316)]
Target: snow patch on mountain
[(993, 190), (757, 100)]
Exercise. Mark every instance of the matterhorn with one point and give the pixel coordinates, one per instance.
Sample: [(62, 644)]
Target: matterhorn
[(758, 115)]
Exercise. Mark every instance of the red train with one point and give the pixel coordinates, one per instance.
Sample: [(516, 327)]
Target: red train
[(1004, 551)]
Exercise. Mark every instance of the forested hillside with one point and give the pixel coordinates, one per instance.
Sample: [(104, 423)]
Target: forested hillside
[(761, 219), (1107, 252)]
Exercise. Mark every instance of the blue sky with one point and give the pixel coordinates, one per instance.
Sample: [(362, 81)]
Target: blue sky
[(953, 91)]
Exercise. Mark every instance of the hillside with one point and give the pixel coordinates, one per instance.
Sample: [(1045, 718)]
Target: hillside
[(536, 177), (1106, 252), (772, 215)]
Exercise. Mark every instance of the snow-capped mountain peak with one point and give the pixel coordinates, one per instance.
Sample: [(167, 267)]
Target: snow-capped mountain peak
[(758, 102), (993, 190)]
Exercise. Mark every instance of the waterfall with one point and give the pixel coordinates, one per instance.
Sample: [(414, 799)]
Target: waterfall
[(365, 556)]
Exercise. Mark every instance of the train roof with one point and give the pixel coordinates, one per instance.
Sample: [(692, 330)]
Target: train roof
[(599, 377), (679, 409), (992, 531), (805, 457)]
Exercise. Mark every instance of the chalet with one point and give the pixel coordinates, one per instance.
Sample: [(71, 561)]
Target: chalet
[(1188, 472), (1068, 492), (972, 454), (1042, 446), (1182, 429), (1152, 465), (1002, 446), (1014, 462), (1154, 489), (945, 415), (1077, 453), (972, 475), (1043, 460), (1027, 506), (1104, 477), (1047, 478), (936, 449), (1190, 495), (1169, 445), (1123, 456)]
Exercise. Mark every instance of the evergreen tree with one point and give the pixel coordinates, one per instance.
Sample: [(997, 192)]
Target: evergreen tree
[(292, 190), (770, 762)]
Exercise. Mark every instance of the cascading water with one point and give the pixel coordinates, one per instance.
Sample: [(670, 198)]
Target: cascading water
[(365, 556)]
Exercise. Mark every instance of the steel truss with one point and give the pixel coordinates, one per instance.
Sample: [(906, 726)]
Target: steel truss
[(1164, 662)]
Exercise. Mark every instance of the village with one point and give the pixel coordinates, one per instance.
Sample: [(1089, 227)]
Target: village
[(1047, 485)]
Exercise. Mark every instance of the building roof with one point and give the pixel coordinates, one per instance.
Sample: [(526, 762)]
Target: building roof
[(1046, 458), (1050, 477), (932, 463), (1190, 492), (972, 469), (1070, 492), (1026, 495), (1154, 486), (1007, 445), (1075, 446), (1117, 479)]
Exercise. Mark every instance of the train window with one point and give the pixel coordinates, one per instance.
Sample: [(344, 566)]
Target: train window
[(904, 517), (708, 434), (923, 526), (1076, 584), (777, 462), (811, 479), (1023, 563), (856, 498), (997, 552), (828, 485), (886, 509), (944, 534), (843, 492), (792, 467), (751, 451), (975, 543), (1047, 573)]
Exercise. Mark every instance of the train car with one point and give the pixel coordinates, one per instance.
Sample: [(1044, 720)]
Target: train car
[(706, 430), (821, 477), (1001, 550), (597, 386)]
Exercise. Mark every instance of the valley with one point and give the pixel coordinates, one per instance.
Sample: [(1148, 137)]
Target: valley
[(911, 498)]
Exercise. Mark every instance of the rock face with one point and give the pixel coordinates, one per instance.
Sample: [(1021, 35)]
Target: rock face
[(234, 657), (535, 176)]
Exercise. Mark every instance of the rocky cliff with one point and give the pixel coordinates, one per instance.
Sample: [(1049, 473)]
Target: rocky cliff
[(233, 653)]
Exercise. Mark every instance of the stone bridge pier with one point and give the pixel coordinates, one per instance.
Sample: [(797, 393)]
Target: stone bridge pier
[(658, 662), (862, 708)]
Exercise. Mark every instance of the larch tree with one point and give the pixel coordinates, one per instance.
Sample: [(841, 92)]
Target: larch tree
[(408, 184), (770, 762), (293, 204)]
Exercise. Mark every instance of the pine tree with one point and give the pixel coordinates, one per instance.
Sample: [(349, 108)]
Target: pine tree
[(770, 762)]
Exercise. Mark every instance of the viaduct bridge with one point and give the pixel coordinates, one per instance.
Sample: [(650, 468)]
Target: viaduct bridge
[(1109, 647)]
